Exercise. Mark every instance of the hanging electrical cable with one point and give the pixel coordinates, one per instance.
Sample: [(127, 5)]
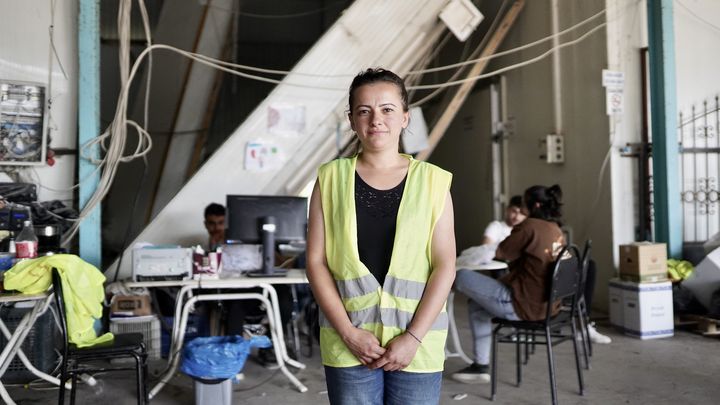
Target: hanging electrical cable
[(113, 140)]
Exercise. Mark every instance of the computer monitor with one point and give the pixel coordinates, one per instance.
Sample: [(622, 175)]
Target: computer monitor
[(267, 220)]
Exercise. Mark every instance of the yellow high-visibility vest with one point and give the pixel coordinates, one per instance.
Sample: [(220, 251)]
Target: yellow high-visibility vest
[(385, 310)]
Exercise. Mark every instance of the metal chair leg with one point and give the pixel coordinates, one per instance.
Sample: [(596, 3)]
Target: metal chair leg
[(140, 392), (145, 378), (577, 361), (73, 388), (493, 372), (63, 378), (532, 346), (585, 339), (518, 368), (551, 365), (585, 316)]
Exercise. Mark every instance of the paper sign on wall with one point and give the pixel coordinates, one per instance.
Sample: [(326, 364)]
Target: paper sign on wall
[(612, 78), (614, 99), (262, 156), (286, 119)]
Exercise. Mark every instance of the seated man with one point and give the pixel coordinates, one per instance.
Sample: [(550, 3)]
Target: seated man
[(215, 225), (495, 233)]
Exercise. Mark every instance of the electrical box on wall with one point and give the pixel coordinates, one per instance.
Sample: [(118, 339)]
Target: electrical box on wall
[(554, 149), (23, 137)]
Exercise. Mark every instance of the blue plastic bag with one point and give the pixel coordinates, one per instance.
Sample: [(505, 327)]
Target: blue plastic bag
[(218, 357)]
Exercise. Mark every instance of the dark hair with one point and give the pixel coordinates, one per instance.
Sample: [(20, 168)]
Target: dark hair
[(375, 75), (214, 209), (544, 203), (515, 201)]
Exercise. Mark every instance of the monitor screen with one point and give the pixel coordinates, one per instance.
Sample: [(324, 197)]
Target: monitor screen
[(245, 215)]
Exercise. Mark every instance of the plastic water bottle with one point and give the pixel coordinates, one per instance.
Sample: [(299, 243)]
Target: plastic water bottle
[(26, 243)]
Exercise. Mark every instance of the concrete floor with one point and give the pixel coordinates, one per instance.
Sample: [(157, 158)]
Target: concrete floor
[(682, 369)]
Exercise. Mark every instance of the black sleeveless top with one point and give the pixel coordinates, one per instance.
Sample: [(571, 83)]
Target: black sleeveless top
[(376, 212)]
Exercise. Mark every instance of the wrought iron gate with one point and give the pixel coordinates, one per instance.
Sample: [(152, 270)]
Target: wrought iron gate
[(700, 171)]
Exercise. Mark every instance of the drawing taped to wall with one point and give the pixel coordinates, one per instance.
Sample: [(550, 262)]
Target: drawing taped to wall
[(261, 156)]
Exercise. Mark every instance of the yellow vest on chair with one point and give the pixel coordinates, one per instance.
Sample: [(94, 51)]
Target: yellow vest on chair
[(386, 310)]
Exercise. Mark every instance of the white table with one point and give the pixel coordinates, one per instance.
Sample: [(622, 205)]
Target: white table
[(16, 338), (454, 338), (185, 300)]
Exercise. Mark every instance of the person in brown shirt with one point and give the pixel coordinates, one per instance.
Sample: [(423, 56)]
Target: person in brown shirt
[(530, 250)]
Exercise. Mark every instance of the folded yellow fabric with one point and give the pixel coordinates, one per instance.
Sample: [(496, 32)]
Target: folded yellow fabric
[(82, 285)]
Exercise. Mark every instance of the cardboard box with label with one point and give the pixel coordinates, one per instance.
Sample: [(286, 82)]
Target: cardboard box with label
[(130, 305), (643, 262), (642, 310)]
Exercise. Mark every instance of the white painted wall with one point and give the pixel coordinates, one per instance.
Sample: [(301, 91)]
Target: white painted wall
[(626, 36), (697, 51), (25, 55)]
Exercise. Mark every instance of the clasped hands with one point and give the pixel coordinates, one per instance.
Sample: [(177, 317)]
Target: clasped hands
[(396, 356)]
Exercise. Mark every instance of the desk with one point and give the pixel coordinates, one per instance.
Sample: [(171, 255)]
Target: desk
[(493, 265), (17, 337), (185, 300)]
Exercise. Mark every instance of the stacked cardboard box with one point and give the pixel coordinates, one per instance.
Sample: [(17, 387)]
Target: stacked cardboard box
[(641, 299), (643, 262)]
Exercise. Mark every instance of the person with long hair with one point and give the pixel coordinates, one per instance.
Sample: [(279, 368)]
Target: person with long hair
[(381, 257), (530, 250)]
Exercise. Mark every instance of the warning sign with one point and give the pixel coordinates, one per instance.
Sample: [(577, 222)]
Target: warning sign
[(614, 100)]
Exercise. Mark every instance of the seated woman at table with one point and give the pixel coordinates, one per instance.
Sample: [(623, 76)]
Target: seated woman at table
[(530, 250)]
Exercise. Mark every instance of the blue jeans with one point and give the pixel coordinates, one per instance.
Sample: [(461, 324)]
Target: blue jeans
[(361, 386), (489, 298)]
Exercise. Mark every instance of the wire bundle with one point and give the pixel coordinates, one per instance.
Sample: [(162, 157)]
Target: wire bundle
[(113, 140)]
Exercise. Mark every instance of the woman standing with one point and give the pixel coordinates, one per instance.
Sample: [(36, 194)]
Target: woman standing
[(531, 249), (381, 257)]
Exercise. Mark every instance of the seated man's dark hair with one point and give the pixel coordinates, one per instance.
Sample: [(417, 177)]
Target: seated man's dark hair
[(214, 209), (515, 201)]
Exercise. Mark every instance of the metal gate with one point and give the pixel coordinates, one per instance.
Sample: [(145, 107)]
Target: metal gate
[(700, 171)]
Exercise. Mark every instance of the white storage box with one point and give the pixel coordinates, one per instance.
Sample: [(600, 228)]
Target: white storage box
[(647, 308), (148, 326)]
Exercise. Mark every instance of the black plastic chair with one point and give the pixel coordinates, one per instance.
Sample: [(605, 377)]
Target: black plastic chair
[(563, 285), (128, 345)]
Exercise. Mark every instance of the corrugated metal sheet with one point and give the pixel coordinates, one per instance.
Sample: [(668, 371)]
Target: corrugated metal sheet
[(388, 33)]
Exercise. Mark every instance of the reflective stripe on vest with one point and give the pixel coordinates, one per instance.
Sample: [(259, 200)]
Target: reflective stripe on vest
[(367, 284), (357, 287)]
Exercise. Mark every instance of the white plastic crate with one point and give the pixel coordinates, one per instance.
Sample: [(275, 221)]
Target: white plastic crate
[(148, 326)]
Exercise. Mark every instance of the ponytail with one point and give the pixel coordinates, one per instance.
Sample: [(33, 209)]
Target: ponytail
[(545, 203)]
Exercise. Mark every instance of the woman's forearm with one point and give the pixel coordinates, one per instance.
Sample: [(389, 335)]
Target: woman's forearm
[(433, 300), (328, 298)]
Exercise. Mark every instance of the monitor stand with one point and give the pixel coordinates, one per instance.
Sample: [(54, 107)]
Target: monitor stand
[(268, 242)]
